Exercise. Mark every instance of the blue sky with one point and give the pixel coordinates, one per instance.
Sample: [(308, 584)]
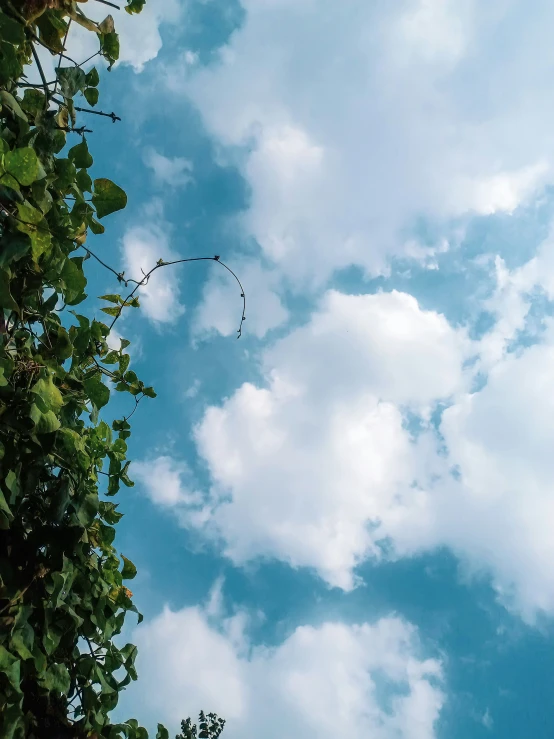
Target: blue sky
[(342, 522)]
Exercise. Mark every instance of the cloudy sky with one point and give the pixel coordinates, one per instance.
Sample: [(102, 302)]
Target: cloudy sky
[(344, 521)]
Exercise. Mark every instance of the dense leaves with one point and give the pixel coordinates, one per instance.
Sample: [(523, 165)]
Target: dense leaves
[(62, 597)]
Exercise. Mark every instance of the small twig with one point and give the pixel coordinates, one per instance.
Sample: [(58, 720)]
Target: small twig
[(53, 51), (80, 130), (119, 275), (96, 53), (137, 401), (113, 116), (90, 647)]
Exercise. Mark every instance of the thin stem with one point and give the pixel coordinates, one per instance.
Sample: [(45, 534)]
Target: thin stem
[(96, 53), (113, 116), (41, 72), (30, 84), (107, 266), (60, 56), (112, 5), (141, 283), (80, 130)]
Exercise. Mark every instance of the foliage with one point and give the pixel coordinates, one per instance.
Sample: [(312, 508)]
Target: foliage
[(63, 596), (209, 727)]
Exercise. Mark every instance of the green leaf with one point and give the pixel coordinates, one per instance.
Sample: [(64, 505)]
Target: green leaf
[(34, 101), (8, 101), (23, 164), (88, 509), (80, 156), (48, 393), (111, 311), (95, 227), (92, 78), (11, 30), (6, 516), (91, 95), (112, 298), (72, 80), (84, 181), (63, 346), (108, 197), (45, 423), (14, 246), (129, 570), (66, 172), (10, 666), (31, 221), (97, 391), (10, 64), (135, 6), (162, 732), (22, 641), (6, 298), (52, 30), (12, 723), (109, 44), (109, 513), (56, 679), (50, 640), (74, 280)]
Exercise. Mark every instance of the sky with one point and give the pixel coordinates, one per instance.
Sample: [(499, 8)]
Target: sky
[(342, 521)]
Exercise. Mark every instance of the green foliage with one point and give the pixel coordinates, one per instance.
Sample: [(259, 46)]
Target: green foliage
[(62, 597), (209, 727)]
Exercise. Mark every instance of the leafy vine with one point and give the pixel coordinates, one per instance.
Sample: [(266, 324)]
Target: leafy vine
[(63, 596)]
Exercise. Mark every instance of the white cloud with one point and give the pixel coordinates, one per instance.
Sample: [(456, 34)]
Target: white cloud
[(357, 680), (355, 123), (300, 468), (143, 246), (163, 480), (512, 298), (319, 467), (140, 37), (499, 516), (221, 305), (173, 171)]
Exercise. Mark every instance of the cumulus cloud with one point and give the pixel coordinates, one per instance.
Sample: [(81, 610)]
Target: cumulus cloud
[(302, 466), (337, 458), (355, 123), (361, 680), (142, 247), (173, 171)]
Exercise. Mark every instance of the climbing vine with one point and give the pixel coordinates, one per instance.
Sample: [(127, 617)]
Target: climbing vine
[(63, 596)]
